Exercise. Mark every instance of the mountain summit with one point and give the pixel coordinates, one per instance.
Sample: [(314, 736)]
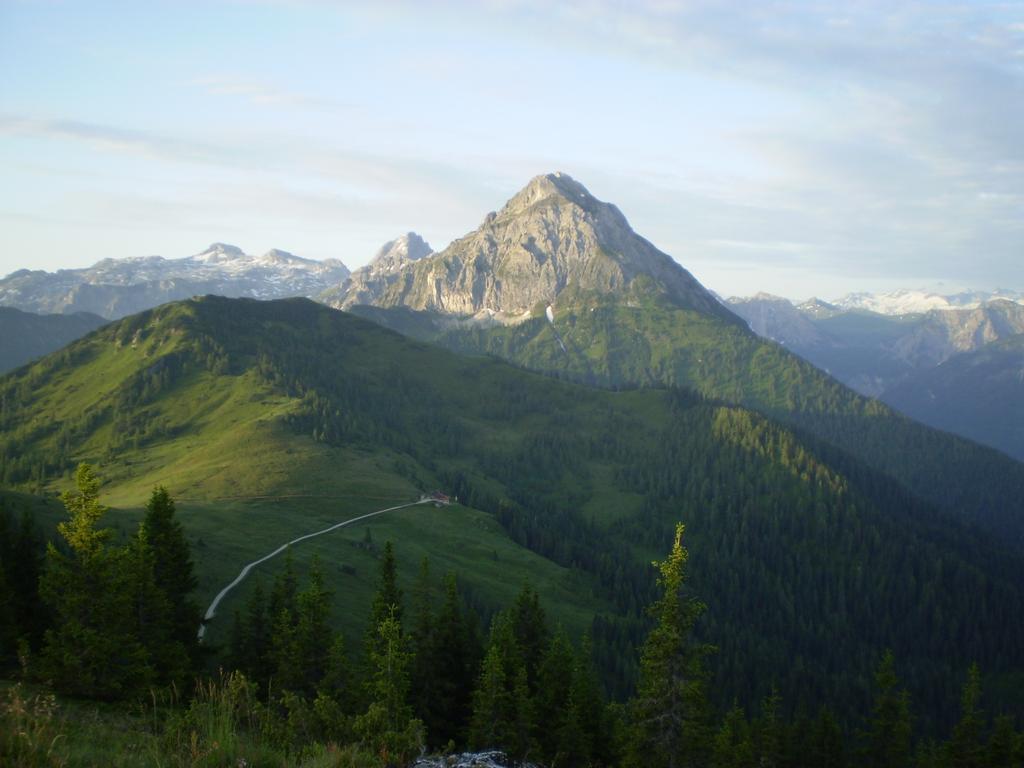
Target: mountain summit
[(552, 236)]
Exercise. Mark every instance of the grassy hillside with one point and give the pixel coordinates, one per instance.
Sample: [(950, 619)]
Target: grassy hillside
[(272, 419)]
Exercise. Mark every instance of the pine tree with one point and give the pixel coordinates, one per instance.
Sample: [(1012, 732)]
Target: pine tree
[(825, 742), (454, 655), (502, 710), (173, 569), (669, 712), (554, 685), (965, 749), (388, 727), (313, 636), (531, 631), (588, 697), (492, 702), (770, 733), (733, 747), (153, 616), (387, 602), (1004, 745), (283, 615), (93, 648), (887, 743), (21, 563), (424, 683)]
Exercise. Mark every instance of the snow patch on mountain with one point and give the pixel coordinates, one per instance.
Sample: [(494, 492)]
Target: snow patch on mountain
[(906, 301), (113, 288)]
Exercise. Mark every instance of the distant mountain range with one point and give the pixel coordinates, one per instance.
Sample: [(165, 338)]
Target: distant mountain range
[(924, 364), (25, 336), (113, 288), (557, 280), (904, 302)]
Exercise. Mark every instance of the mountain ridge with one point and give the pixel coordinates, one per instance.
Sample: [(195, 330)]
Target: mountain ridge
[(551, 236), (214, 395), (113, 288)]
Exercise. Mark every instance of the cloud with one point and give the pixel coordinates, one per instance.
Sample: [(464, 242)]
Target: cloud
[(115, 139)]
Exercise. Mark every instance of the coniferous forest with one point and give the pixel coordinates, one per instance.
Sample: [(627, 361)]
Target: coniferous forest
[(97, 621)]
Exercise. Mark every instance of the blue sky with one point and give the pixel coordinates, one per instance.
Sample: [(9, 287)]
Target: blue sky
[(799, 148)]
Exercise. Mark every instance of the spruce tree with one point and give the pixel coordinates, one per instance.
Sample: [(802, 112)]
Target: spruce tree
[(965, 748), (388, 727), (173, 569), (387, 602), (554, 686), (424, 683), (154, 617), (1004, 745), (93, 648), (502, 710), (669, 712), (531, 631), (454, 655), (313, 636), (887, 742), (733, 746), (825, 742)]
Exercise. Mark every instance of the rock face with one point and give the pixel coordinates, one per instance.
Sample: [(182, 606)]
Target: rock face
[(551, 236), (977, 394), (874, 352), (113, 288), (946, 333), (368, 282), (775, 318)]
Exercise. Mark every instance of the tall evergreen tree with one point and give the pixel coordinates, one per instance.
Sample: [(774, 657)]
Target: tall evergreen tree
[(424, 683), (531, 631), (966, 749), (154, 617), (93, 648), (887, 742), (1005, 748), (388, 727), (173, 569), (554, 686), (733, 745), (22, 556), (387, 602), (502, 710), (454, 656), (313, 635), (824, 743), (669, 712)]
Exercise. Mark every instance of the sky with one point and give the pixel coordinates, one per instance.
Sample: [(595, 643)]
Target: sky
[(799, 148)]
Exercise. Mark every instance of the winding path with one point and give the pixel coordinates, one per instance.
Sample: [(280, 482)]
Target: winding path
[(212, 610)]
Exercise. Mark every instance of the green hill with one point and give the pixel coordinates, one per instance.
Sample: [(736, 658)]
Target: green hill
[(646, 340), (272, 419)]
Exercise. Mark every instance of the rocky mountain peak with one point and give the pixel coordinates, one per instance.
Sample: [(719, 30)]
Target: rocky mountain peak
[(406, 248), (550, 236), (218, 252)]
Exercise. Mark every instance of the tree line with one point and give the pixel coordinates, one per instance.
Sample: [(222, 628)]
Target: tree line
[(113, 622)]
